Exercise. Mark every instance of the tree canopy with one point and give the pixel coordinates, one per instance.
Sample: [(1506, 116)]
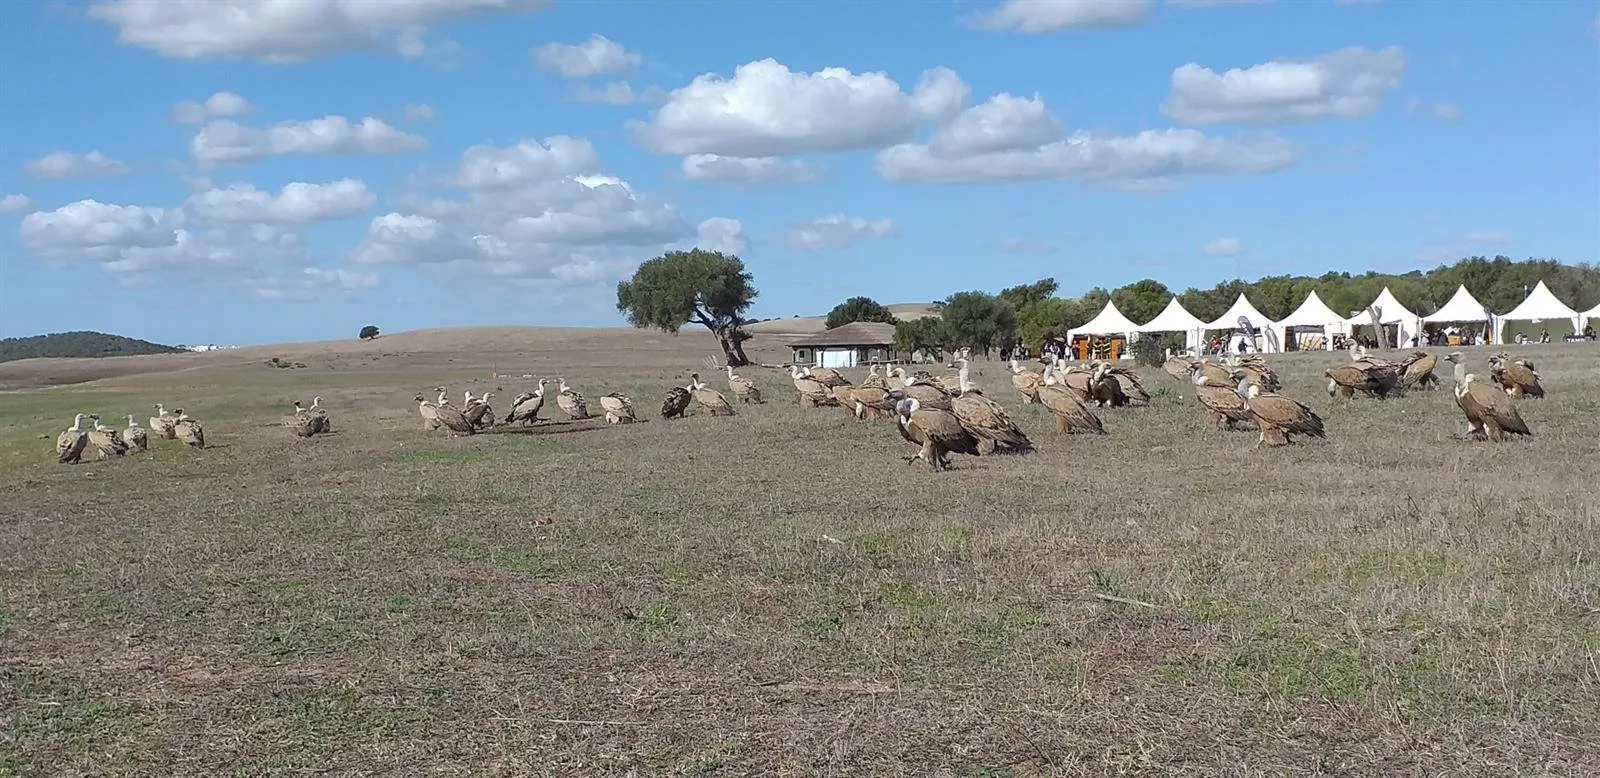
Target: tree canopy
[(708, 288), (368, 332), (978, 320), (78, 344), (858, 309)]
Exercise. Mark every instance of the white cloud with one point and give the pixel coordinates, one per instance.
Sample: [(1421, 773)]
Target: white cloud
[(766, 110), (1012, 139), (527, 162), (597, 56), (296, 203), (746, 170), (836, 231), (1025, 246), (621, 93), (97, 228), (223, 142), (222, 105), (722, 234), (420, 112), (1349, 83), (313, 283), (280, 31), (1489, 238), (16, 203), (1223, 247), (65, 164), (1041, 16)]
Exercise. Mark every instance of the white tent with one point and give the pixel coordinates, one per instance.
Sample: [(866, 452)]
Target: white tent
[(1109, 322), (1314, 313), (1591, 315), (1540, 304), (1264, 327), (1461, 307), (1175, 318), (1390, 311)]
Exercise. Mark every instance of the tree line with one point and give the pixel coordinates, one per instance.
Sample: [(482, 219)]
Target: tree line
[(714, 290), (82, 344)]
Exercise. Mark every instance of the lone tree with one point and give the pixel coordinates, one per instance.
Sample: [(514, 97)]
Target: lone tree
[(858, 309), (979, 320), (708, 288), (369, 332)]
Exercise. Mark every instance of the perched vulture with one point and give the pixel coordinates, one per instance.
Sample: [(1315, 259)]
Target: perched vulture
[(1178, 367), (1378, 379), (1416, 371), (1026, 382), (137, 438), (924, 389), (107, 439), (676, 403), (1223, 405), (1256, 371), (935, 430), (71, 443), (708, 397), (1277, 417), (618, 408), (874, 379), (1516, 376), (571, 402), (743, 388), (989, 423), (1489, 410), (811, 390), (1071, 415), (525, 407)]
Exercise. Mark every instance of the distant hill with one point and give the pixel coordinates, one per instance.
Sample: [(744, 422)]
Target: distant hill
[(800, 325), (78, 344)]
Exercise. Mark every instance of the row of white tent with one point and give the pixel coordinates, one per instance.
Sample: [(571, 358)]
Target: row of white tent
[(1462, 308)]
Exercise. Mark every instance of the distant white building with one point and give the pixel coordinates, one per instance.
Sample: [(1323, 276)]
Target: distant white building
[(208, 347)]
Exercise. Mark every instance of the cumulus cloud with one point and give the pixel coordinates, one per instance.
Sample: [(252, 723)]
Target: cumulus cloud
[(597, 56), (621, 93), (1223, 247), (276, 31), (296, 203), (222, 105), (1041, 16), (526, 162), (16, 203), (1349, 83), (722, 234), (746, 170), (767, 110), (65, 164), (1014, 139), (225, 142), (420, 112), (837, 231), (1025, 246)]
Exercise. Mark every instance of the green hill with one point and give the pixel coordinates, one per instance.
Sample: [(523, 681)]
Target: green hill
[(78, 344)]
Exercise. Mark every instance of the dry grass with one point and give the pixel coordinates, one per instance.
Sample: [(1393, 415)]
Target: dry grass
[(778, 593)]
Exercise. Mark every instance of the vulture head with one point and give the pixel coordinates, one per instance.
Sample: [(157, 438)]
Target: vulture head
[(1454, 356), (906, 407)]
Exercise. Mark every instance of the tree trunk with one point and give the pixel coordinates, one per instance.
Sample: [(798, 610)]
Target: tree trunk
[(732, 349)]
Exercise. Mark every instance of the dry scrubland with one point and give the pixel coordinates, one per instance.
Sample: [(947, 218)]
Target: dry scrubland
[(779, 593)]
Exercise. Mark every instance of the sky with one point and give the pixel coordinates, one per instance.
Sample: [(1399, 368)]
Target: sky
[(259, 171)]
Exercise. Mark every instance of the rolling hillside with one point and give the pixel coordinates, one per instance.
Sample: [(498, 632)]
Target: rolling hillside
[(79, 345), (806, 325)]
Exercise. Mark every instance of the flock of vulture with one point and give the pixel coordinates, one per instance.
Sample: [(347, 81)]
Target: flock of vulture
[(945, 415), (75, 441)]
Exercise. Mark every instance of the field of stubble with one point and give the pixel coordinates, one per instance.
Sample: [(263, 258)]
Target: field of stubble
[(779, 593)]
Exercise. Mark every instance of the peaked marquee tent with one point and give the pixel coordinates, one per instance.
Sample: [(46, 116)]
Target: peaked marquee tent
[(1109, 322), (1593, 314), (1264, 326), (1175, 318), (1461, 307), (1539, 305), (1314, 313), (1390, 311)]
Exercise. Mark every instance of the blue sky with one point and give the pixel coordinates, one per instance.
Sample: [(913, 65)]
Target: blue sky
[(255, 171)]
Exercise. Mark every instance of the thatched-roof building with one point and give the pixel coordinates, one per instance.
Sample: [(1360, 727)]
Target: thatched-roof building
[(848, 345)]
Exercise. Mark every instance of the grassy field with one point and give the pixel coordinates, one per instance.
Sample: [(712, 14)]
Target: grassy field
[(778, 593)]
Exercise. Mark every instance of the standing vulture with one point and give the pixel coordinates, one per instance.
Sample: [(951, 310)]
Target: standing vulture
[(925, 390), (676, 403), (107, 439), (525, 407), (1416, 371), (811, 390), (138, 439), (988, 421), (71, 443), (708, 397), (936, 431), (1516, 376), (1224, 407), (1026, 382), (571, 402), (1178, 367), (1277, 416), (743, 388), (618, 408), (1071, 415), (1489, 410)]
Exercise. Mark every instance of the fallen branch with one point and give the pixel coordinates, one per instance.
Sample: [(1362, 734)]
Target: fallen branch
[(1124, 600)]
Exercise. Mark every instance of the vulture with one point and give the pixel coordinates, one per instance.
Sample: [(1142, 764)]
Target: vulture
[(811, 390), (708, 397), (571, 402), (107, 439), (936, 431), (1223, 406), (873, 379), (618, 408), (869, 401), (952, 384), (1128, 382), (1416, 371), (189, 430), (430, 419), (826, 376), (925, 390), (316, 408), (1256, 371), (526, 406), (1213, 372), (1072, 416), (1277, 417), (1516, 376), (161, 423), (988, 422), (1077, 379), (71, 442), (138, 439), (676, 403), (1178, 367), (1106, 389), (1489, 410), (478, 412), (1026, 382), (1367, 375), (743, 388), (447, 416), (303, 422)]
